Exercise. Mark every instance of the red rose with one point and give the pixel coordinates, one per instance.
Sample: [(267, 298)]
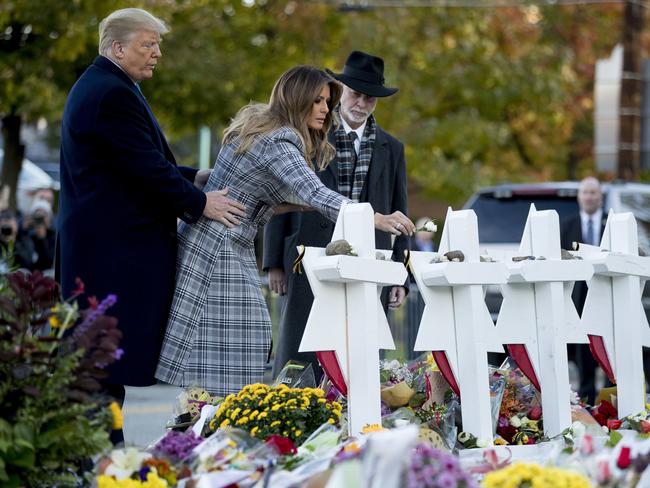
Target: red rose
[(613, 424), (607, 409), (624, 458), (600, 418), (281, 444), (535, 413)]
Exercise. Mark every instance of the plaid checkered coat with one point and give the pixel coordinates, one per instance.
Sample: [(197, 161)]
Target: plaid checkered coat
[(219, 330)]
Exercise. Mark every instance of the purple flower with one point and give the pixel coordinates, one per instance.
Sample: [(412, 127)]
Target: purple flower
[(433, 468), (446, 480), (177, 445), (101, 309), (143, 473)]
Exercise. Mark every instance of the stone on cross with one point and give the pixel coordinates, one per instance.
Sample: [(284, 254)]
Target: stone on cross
[(537, 318), (613, 314), (456, 323), (347, 316)]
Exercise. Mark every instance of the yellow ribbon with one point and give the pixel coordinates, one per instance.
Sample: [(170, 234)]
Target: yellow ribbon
[(407, 260), (297, 267)]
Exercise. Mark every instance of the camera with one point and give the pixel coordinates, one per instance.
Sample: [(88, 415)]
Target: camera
[(39, 220), (6, 230)]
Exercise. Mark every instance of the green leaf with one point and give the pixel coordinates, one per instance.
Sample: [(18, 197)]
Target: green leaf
[(614, 438), (23, 458)]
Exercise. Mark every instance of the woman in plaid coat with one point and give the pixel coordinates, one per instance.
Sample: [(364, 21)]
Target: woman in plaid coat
[(219, 331)]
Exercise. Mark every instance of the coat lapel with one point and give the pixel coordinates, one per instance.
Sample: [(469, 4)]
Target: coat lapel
[(332, 167)]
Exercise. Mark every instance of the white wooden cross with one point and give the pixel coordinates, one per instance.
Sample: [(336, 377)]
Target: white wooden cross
[(537, 312), (613, 313), (456, 319), (347, 316)]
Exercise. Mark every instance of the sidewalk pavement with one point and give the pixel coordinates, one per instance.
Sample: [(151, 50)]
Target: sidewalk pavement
[(146, 411)]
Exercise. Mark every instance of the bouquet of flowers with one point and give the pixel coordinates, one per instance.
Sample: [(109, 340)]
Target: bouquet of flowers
[(519, 419), (132, 468), (524, 475), (264, 411), (397, 383), (51, 421)]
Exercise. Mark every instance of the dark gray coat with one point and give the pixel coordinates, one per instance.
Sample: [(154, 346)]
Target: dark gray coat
[(384, 189)]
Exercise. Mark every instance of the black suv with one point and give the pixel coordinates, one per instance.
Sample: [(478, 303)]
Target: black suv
[(502, 211)]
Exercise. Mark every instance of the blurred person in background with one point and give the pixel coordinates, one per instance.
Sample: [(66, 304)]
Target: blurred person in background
[(14, 244), (587, 227), (38, 226)]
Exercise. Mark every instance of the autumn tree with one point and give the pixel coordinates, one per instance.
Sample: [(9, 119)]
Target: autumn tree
[(44, 45)]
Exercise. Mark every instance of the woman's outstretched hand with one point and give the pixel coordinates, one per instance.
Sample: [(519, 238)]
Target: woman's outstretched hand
[(396, 223)]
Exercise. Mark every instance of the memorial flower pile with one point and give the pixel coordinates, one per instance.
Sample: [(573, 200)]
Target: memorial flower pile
[(51, 418), (263, 411), (415, 392)]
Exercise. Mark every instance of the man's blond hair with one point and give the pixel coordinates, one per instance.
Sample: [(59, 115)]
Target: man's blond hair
[(122, 24)]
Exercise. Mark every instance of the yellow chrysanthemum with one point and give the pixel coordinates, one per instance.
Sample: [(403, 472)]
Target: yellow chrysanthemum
[(153, 481), (224, 424), (116, 413), (254, 431)]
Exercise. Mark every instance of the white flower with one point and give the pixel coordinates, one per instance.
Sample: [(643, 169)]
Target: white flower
[(125, 462), (574, 398), (429, 226), (578, 429), (393, 364), (514, 421)]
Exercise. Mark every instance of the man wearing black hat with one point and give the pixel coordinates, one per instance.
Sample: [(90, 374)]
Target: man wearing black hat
[(368, 167)]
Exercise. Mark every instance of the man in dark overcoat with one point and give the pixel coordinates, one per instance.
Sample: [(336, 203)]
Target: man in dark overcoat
[(585, 227), (122, 193), (369, 167)]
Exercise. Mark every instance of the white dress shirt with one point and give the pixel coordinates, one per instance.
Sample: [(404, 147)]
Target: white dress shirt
[(596, 222), (359, 130)]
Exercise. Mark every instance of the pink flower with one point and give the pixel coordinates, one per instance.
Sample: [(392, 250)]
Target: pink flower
[(623, 461), (535, 413)]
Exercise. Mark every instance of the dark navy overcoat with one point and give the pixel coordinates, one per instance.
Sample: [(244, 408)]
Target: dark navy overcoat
[(121, 195)]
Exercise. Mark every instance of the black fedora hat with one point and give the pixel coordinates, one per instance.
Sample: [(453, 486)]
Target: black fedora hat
[(364, 73)]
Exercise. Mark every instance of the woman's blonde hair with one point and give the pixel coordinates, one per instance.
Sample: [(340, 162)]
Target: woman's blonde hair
[(122, 24), (291, 104)]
